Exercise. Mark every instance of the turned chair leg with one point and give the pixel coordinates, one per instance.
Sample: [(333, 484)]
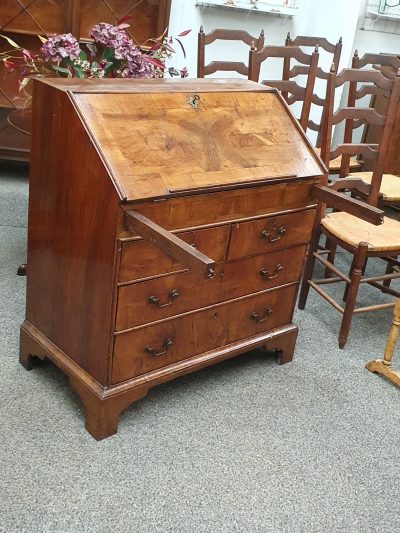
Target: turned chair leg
[(307, 275), (331, 246), (389, 270), (357, 268), (346, 289)]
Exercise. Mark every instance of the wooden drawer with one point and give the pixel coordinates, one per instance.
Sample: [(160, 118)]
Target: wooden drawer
[(141, 259), (156, 299), (156, 346), (199, 209), (270, 233)]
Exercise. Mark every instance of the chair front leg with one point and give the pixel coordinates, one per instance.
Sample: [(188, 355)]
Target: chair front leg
[(331, 246), (309, 266), (357, 268)]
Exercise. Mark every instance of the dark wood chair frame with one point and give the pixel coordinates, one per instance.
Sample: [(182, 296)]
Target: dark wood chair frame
[(377, 60), (362, 251), (322, 43), (291, 91), (224, 66)]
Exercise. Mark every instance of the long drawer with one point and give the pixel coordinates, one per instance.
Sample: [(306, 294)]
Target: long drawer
[(151, 347), (156, 299), (142, 259), (270, 233)]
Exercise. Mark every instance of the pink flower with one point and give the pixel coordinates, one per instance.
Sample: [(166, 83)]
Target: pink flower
[(107, 34), (139, 67), (60, 47)]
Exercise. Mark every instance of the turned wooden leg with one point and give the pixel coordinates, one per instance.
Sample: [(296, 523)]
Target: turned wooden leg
[(389, 270), (383, 366), (102, 414), (307, 275), (346, 289), (359, 260), (331, 246)]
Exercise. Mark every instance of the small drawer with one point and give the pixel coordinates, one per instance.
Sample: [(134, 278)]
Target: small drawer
[(260, 272), (149, 301), (156, 346), (270, 233), (142, 259)]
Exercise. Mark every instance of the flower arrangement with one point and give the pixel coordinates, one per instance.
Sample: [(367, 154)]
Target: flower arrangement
[(110, 53)]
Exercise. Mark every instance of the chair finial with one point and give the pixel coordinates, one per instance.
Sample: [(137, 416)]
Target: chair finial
[(316, 49), (253, 45), (262, 33), (332, 70), (340, 40), (201, 29), (355, 53), (288, 35)]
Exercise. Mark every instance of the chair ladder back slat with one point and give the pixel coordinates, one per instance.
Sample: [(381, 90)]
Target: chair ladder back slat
[(219, 65)]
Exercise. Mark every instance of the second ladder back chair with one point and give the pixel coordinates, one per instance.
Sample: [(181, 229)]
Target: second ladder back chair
[(360, 238), (327, 49), (390, 64), (291, 90), (205, 39)]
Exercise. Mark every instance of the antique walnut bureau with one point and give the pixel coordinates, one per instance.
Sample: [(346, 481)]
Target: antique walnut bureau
[(168, 223)]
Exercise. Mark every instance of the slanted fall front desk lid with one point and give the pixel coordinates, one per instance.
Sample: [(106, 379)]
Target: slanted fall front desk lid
[(159, 139)]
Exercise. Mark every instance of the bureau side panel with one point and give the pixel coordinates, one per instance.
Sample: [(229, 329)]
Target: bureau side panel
[(71, 239)]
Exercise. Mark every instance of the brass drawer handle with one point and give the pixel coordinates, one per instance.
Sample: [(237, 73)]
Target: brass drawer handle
[(265, 274), (173, 295), (261, 318), (164, 348), (279, 231)]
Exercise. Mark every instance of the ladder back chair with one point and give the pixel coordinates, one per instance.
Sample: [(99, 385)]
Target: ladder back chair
[(291, 90), (205, 39), (360, 238), (333, 51), (390, 186)]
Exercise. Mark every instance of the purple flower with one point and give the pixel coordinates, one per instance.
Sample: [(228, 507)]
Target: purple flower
[(139, 67), (60, 47), (107, 34)]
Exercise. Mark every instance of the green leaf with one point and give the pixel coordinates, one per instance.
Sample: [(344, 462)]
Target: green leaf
[(62, 70), (79, 72), (108, 54), (82, 55)]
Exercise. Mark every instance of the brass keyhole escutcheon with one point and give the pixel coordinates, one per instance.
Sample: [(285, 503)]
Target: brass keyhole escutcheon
[(194, 101)]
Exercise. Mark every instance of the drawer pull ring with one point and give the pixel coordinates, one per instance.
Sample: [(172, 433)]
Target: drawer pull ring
[(164, 348), (261, 318), (279, 231), (173, 295), (265, 274)]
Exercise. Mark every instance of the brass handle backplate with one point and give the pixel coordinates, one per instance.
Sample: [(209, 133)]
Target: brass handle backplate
[(280, 232), (173, 295), (266, 275), (164, 348), (261, 318)]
